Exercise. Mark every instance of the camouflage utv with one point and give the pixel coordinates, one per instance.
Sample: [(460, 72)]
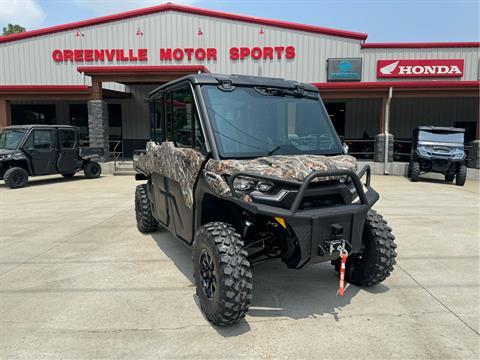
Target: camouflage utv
[(249, 169)]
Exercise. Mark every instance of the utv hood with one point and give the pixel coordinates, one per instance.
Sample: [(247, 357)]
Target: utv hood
[(288, 167)]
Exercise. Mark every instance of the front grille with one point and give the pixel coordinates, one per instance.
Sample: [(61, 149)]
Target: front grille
[(323, 201)]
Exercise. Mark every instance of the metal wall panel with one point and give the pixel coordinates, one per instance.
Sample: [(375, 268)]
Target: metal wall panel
[(407, 113), (29, 61), (471, 56)]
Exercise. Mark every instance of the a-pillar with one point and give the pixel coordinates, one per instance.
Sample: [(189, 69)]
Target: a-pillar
[(5, 114), (98, 121)]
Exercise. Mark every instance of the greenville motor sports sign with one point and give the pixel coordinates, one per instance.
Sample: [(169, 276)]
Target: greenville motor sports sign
[(173, 54), (420, 68)]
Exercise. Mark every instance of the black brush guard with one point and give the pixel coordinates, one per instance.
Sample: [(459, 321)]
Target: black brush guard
[(314, 228)]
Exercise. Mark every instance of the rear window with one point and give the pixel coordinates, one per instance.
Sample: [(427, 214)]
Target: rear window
[(67, 139)]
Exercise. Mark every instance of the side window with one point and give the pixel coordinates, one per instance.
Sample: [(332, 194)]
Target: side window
[(67, 139), (42, 139), (168, 116), (186, 130), (182, 110), (157, 123)]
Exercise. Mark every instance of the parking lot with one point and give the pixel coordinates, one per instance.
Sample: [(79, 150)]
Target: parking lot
[(78, 280)]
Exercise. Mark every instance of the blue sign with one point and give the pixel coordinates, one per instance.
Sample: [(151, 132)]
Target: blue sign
[(344, 70)]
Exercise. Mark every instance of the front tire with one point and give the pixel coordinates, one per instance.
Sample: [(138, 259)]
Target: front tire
[(146, 223), (415, 171), (461, 176), (222, 273), (449, 177), (376, 262), (92, 170), (15, 177)]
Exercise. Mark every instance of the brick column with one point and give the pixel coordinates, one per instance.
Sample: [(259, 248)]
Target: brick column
[(474, 155), (380, 148), (98, 126), (5, 114)]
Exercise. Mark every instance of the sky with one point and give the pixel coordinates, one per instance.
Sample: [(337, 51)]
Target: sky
[(382, 20)]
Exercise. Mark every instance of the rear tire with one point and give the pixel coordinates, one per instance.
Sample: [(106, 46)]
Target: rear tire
[(461, 175), (378, 257), (69, 175), (92, 170), (222, 273), (415, 171), (146, 223), (15, 177)]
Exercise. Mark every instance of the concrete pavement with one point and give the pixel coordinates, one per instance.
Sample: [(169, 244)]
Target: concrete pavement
[(77, 280)]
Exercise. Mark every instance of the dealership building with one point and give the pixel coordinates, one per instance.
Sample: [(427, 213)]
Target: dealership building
[(96, 73)]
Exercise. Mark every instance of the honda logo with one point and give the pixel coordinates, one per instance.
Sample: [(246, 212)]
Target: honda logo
[(420, 68)]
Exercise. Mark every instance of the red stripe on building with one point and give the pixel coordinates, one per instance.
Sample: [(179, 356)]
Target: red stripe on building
[(396, 84), (176, 69), (422, 45)]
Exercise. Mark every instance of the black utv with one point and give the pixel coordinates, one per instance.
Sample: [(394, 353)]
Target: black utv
[(440, 150), (249, 169), (31, 150)]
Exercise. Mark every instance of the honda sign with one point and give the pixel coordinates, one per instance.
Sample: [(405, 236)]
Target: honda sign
[(420, 68)]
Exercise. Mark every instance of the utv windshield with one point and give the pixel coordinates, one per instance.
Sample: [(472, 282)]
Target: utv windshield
[(444, 137), (10, 139), (253, 122)]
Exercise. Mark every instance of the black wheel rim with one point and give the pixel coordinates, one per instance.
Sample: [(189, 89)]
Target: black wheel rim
[(207, 275), (18, 178)]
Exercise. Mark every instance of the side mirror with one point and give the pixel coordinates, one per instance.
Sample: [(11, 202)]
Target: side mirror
[(345, 148)]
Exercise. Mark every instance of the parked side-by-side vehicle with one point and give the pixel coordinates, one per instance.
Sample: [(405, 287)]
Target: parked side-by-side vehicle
[(440, 150), (250, 169), (32, 150)]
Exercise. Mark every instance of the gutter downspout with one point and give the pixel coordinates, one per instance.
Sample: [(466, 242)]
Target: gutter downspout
[(387, 129)]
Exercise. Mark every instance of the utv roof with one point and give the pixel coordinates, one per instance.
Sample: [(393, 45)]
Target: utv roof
[(439, 128), (41, 126), (240, 80)]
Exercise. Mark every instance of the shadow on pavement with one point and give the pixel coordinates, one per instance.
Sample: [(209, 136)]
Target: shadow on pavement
[(39, 181), (277, 291)]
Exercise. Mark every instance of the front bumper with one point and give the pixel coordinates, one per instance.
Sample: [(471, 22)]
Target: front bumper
[(313, 228)]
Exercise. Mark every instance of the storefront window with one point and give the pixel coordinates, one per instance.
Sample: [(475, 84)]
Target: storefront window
[(28, 114)]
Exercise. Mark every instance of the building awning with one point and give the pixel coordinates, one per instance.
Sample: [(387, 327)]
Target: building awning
[(140, 74), (379, 89)]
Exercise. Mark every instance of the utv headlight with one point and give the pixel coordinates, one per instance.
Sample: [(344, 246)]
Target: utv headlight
[(243, 183), (6, 156)]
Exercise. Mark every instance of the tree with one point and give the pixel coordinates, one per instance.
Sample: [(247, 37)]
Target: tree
[(13, 29)]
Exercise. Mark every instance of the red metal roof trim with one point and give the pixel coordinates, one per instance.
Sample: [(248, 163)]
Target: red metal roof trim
[(142, 69), (184, 9), (396, 84), (44, 88), (422, 45)]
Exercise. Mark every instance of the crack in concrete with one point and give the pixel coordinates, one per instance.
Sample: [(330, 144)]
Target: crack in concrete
[(438, 300)]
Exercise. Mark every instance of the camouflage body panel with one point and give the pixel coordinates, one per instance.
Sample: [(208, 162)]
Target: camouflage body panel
[(179, 164), (288, 167)]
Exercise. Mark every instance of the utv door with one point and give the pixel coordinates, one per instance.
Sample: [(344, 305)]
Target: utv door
[(183, 156), (158, 191), (68, 151), (40, 147)]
